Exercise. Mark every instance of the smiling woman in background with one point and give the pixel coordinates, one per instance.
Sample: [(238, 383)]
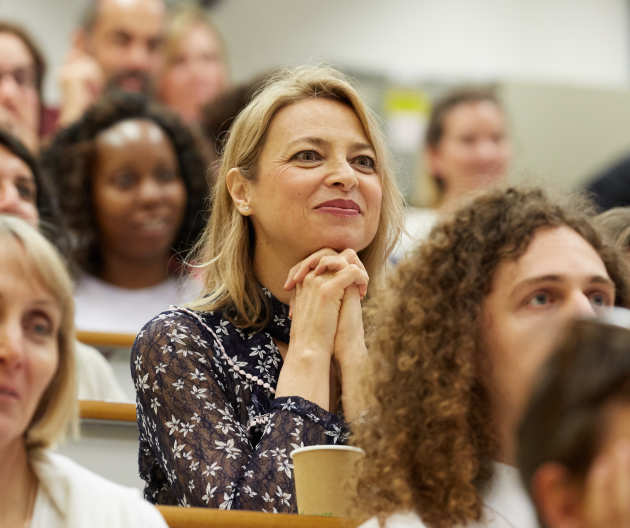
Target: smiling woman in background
[(467, 148), (132, 190), (38, 488), (195, 70), (305, 212)]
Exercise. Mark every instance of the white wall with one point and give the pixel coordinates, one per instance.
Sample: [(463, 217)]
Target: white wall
[(570, 41), (582, 41)]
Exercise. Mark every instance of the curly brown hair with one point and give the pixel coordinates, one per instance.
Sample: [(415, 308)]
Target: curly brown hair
[(428, 434), (69, 162)]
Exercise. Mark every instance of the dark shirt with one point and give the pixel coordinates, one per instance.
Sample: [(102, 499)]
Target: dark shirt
[(612, 187), (211, 431)]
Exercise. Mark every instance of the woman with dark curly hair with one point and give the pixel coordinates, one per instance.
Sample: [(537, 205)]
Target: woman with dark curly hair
[(132, 189), (457, 336)]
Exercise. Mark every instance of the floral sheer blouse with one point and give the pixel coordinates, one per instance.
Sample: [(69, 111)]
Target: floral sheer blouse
[(211, 431)]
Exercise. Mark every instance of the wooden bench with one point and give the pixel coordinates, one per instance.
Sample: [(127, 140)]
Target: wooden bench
[(177, 517)]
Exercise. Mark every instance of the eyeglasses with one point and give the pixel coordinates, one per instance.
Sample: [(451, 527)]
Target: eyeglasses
[(24, 78)]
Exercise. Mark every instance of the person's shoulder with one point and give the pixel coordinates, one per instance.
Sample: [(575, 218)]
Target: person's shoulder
[(396, 520), (101, 493)]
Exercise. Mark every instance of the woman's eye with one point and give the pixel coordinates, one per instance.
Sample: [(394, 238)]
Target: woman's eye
[(26, 190), (307, 155), (165, 175), (365, 162), (39, 325), (123, 180)]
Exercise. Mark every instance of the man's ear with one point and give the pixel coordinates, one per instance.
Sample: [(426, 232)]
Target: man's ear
[(557, 497), (239, 188)]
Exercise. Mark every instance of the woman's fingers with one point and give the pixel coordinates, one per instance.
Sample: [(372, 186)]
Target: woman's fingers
[(338, 281), (299, 271)]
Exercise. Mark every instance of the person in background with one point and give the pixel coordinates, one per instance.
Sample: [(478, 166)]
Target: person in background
[(22, 70), (615, 225), (574, 437), (467, 148), (132, 189), (118, 45), (39, 488), (305, 212), (195, 66), (26, 193), (458, 335)]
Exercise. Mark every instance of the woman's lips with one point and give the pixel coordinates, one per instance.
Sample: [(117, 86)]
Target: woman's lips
[(8, 392), (339, 207)]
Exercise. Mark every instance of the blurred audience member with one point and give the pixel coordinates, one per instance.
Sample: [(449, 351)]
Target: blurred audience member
[(195, 70), (26, 193), (574, 438), (119, 45), (132, 189), (611, 188), (40, 488), (467, 148), (615, 225), (22, 69), (457, 338)]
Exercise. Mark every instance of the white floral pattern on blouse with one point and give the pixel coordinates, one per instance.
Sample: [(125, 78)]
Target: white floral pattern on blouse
[(211, 432)]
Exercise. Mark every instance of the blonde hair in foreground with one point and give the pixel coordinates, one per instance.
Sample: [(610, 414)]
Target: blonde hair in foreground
[(56, 413), (225, 250)]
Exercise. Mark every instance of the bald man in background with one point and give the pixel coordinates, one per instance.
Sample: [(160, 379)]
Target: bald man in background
[(119, 44)]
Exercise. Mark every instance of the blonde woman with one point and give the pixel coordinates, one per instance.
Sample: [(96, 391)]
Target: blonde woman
[(305, 212), (38, 404), (195, 70)]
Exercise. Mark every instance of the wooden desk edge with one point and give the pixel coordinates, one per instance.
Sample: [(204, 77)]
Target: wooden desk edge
[(106, 339), (178, 517), (101, 410)]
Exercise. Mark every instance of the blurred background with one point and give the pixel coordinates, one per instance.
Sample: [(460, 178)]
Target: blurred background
[(562, 67)]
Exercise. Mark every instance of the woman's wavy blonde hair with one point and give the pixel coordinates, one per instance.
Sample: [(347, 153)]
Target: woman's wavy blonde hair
[(428, 436), (56, 413), (225, 250)]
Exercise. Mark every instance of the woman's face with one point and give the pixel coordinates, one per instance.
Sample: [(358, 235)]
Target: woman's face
[(317, 184), (474, 150), (559, 277), (19, 100), (30, 320), (18, 191), (138, 194), (196, 75)]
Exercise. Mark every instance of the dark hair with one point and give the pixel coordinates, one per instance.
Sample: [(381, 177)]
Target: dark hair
[(441, 108), (70, 156), (564, 418), (38, 58), (50, 219), (429, 434)]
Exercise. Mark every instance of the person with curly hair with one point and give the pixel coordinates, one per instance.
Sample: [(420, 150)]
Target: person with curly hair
[(574, 436), (305, 212), (456, 338), (132, 189)]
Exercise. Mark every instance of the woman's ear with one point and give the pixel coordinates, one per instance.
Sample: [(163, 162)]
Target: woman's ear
[(239, 188)]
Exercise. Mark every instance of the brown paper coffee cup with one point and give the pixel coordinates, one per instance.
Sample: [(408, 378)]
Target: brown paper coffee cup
[(325, 478)]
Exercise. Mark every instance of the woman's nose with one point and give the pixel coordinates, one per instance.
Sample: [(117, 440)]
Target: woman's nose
[(10, 344), (9, 198), (343, 175)]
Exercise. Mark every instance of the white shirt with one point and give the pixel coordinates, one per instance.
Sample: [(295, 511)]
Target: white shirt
[(103, 307), (95, 376), (418, 225), (70, 496), (505, 505)]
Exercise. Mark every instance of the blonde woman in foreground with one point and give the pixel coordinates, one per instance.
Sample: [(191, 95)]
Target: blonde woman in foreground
[(38, 488), (305, 212)]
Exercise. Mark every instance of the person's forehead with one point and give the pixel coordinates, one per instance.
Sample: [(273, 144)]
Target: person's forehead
[(128, 130), (14, 51), (10, 163), (133, 16)]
